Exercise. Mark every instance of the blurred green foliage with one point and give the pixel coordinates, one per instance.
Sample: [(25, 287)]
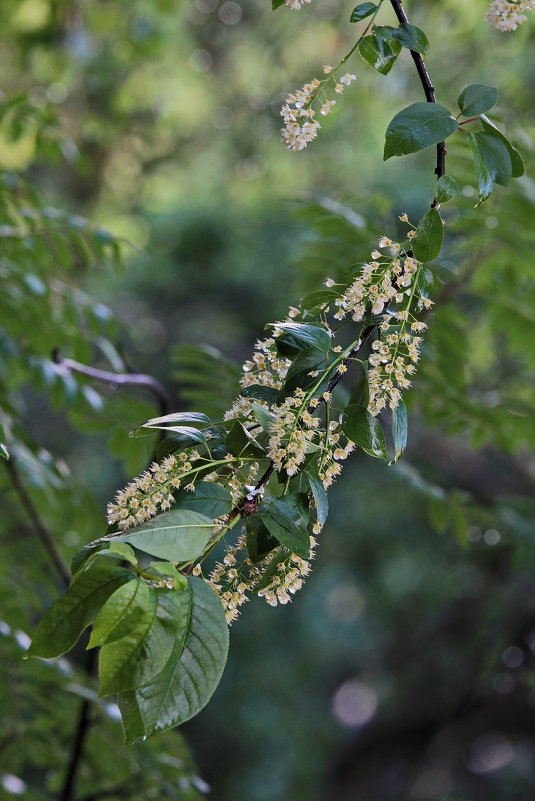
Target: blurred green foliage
[(405, 668)]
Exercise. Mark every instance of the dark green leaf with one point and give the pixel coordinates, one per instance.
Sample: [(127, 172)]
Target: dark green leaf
[(179, 535), (120, 613), (307, 361), (286, 519), (263, 416), (275, 4), (517, 162), (298, 336), (145, 648), (64, 622), (476, 99), (260, 541), (209, 499), (322, 297), (411, 37), (496, 157), (361, 394), (446, 189), (417, 127), (379, 51), (320, 496), (240, 442), (192, 672), (399, 430), (429, 237), (484, 179), (280, 554), (362, 11), (258, 392), (360, 427)]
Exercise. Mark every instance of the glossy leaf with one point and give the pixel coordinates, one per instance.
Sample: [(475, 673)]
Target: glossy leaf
[(476, 99), (190, 675), (263, 416), (286, 519), (496, 157), (178, 535), (399, 430), (322, 297), (417, 127), (365, 430), (120, 613), (176, 422), (429, 236), (362, 11), (258, 392), (308, 361), (446, 189), (188, 433), (65, 621), (209, 499), (413, 38), (260, 541), (380, 52), (240, 442), (517, 162), (145, 648), (320, 496), (297, 336), (484, 179)]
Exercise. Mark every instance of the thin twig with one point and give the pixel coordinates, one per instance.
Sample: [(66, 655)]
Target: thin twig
[(429, 89), (38, 526), (115, 380)]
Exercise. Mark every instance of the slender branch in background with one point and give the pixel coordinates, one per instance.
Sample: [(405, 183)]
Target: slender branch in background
[(115, 380), (38, 525), (68, 790), (428, 87)]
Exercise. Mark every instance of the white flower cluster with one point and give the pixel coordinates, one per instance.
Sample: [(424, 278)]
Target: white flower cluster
[(149, 493), (266, 368), (231, 579), (333, 454), (289, 578), (505, 16), (300, 123), (291, 433)]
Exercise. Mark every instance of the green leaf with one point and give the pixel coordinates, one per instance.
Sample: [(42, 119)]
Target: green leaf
[(260, 541), (363, 429), (380, 51), (65, 621), (263, 416), (120, 613), (476, 99), (189, 434), (411, 37), (362, 11), (496, 157), (192, 672), (298, 336), (240, 442), (119, 550), (307, 361), (4, 451), (399, 430), (258, 392), (427, 242), (145, 648), (446, 189), (517, 162), (275, 4), (209, 499), (168, 570), (417, 127), (320, 496), (321, 297), (286, 519), (178, 535), (361, 394), (484, 179), (175, 422)]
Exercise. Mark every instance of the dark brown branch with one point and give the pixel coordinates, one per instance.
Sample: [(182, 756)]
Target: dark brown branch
[(38, 526), (429, 89), (116, 380)]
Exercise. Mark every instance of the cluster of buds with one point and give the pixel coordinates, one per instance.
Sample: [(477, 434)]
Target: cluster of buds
[(232, 579), (291, 433), (505, 16), (151, 492), (265, 368)]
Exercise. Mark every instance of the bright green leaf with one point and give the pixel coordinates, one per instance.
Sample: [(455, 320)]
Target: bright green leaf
[(192, 672), (446, 189), (120, 613), (417, 127), (119, 550), (145, 648), (208, 498), (65, 621), (379, 51), (429, 236)]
